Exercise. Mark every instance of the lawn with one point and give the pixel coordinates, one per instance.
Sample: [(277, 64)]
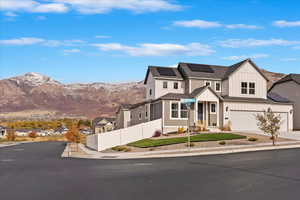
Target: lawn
[(195, 138)]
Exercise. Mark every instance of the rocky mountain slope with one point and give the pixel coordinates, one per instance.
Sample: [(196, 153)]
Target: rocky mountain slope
[(35, 92)]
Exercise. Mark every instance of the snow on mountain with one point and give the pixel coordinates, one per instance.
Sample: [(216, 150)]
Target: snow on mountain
[(34, 79)]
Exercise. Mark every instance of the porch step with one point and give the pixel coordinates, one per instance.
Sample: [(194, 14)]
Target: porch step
[(214, 129)]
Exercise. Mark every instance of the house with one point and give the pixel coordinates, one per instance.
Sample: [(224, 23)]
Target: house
[(223, 95), (3, 131), (103, 124), (22, 132), (61, 130), (289, 87)]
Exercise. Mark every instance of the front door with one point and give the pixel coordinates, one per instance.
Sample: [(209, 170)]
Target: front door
[(200, 111)]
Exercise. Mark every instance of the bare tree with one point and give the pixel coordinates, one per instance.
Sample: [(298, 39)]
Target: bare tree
[(269, 123)]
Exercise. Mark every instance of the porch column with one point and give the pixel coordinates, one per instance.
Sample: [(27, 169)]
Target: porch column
[(218, 113), (206, 113)]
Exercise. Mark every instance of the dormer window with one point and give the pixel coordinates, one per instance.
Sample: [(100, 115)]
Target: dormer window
[(176, 85), (251, 88), (207, 83), (244, 88), (165, 84), (218, 86)]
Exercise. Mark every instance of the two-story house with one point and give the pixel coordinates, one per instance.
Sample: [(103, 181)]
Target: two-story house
[(289, 87), (223, 95)]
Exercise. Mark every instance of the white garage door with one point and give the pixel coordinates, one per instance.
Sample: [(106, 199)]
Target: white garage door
[(245, 120)]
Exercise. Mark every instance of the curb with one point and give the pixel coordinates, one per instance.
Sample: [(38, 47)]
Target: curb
[(184, 153), (66, 153)]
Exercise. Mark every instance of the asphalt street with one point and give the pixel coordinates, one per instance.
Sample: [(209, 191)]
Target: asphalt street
[(36, 171)]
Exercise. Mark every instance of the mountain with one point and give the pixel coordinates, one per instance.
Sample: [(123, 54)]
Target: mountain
[(37, 96), (39, 93)]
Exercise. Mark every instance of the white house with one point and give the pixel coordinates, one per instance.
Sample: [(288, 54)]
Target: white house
[(223, 95)]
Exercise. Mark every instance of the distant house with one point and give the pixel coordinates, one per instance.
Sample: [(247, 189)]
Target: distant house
[(103, 124), (289, 87), (61, 130), (22, 132), (3, 131)]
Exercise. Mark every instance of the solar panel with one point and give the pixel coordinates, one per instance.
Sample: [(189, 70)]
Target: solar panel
[(200, 68), (166, 72), (277, 98)]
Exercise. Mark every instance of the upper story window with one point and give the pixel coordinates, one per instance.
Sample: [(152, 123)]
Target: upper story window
[(165, 84), (244, 88), (150, 92), (251, 88), (175, 85), (218, 86), (207, 83), (140, 116)]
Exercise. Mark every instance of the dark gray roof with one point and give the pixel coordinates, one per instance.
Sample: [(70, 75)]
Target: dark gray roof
[(140, 104), (276, 97), (201, 70), (218, 71), (155, 73), (253, 100), (290, 77)]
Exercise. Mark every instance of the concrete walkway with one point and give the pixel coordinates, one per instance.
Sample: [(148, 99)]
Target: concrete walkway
[(91, 154)]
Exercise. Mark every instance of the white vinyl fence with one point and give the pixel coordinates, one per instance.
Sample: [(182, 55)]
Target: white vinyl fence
[(123, 136)]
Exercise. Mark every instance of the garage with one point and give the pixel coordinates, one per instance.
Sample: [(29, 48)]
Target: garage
[(245, 120)]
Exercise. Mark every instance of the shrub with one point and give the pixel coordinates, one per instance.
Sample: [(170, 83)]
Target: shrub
[(121, 148), (201, 126), (180, 130), (226, 127), (252, 139), (127, 149), (191, 144), (32, 134), (222, 143), (157, 133), (11, 135)]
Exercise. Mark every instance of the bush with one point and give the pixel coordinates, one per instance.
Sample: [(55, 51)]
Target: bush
[(252, 139), (121, 148), (11, 135), (180, 130), (191, 144), (157, 133), (32, 134), (226, 127), (222, 143)]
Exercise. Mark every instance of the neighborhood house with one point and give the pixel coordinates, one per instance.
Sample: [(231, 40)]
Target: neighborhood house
[(2, 131), (103, 124), (289, 87), (223, 95)]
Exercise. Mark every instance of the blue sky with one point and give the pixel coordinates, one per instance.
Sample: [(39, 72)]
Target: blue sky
[(115, 40)]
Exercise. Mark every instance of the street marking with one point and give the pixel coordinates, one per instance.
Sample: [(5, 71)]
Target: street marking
[(7, 160), (18, 149), (142, 164)]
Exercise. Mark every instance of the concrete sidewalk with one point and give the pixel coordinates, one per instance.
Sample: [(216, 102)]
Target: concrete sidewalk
[(91, 154), (293, 135)]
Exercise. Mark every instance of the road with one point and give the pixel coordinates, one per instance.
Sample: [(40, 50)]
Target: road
[(35, 171)]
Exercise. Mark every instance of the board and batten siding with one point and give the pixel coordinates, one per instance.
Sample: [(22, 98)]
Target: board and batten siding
[(150, 86), (160, 91), (136, 112), (291, 91), (197, 83), (247, 73)]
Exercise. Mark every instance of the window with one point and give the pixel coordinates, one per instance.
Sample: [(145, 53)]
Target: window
[(213, 108), (140, 116), (183, 110), (150, 92), (251, 88), (227, 108), (207, 83), (218, 86), (174, 110), (175, 85), (244, 87), (165, 84), (146, 112)]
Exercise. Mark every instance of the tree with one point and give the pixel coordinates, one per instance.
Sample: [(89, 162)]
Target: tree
[(32, 134), (11, 135), (269, 123), (73, 134)]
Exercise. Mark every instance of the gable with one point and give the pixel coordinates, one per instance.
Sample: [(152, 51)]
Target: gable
[(205, 94)]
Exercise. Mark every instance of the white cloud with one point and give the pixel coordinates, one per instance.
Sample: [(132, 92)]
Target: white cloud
[(88, 6), (105, 6), (70, 51), (197, 23), (242, 26), (289, 59), (297, 47), (22, 41), (32, 6), (283, 23), (41, 41), (242, 57), (237, 43), (165, 49), (10, 14), (102, 36)]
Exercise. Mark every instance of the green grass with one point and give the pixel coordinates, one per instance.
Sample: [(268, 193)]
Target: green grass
[(196, 138)]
